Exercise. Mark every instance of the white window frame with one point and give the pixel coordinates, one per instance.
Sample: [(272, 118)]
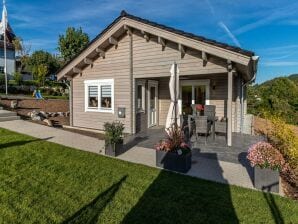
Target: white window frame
[(143, 84), (99, 83)]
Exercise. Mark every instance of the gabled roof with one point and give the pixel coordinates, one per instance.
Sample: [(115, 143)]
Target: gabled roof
[(124, 15)]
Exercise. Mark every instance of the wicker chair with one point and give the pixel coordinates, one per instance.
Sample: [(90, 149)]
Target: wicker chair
[(221, 127), (209, 111), (203, 127)]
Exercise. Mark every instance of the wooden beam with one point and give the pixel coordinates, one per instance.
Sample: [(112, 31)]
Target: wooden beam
[(88, 61), (182, 50), (162, 42), (101, 52), (204, 58), (76, 70), (146, 35), (128, 30), (230, 66), (113, 41)]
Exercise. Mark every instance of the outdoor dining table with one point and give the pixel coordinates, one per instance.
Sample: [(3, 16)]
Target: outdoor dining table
[(191, 120)]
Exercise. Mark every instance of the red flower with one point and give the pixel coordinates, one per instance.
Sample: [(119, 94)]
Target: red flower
[(200, 107)]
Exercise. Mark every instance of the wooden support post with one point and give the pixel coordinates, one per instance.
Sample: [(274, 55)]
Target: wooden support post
[(204, 58), (88, 61), (77, 70), (182, 50), (101, 52), (128, 30), (146, 35), (229, 106), (162, 42), (113, 41)]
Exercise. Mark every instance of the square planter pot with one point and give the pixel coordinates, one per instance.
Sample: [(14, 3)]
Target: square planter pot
[(266, 179), (109, 149), (173, 161)]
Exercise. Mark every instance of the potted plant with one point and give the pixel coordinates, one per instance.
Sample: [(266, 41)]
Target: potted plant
[(173, 153), (113, 138), (267, 162)]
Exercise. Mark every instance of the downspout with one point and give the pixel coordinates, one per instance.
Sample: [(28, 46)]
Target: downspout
[(255, 60)]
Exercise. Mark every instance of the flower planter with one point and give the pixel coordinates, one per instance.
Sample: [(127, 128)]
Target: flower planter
[(110, 151), (266, 179), (173, 161)]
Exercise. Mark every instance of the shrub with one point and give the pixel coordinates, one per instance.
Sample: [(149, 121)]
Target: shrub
[(113, 132), (17, 78), (2, 79), (264, 155), (282, 137), (174, 141)]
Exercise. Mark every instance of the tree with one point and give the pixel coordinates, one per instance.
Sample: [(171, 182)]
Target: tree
[(39, 73), (22, 52), (42, 58), (72, 43)]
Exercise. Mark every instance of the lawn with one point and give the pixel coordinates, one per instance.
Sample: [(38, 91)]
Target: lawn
[(42, 182)]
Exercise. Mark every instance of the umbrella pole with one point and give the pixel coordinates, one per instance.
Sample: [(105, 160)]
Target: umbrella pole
[(175, 94)]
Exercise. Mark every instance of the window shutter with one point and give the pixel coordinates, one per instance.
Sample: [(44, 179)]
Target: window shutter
[(106, 91), (93, 91)]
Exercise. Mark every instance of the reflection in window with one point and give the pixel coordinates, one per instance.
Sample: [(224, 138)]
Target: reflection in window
[(106, 96), (92, 96)]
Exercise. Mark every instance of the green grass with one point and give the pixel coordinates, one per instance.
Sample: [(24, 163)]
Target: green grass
[(42, 182)]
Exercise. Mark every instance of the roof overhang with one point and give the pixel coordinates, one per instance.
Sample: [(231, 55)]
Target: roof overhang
[(125, 24)]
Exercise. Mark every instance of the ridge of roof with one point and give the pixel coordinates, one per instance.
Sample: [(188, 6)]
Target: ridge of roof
[(124, 14)]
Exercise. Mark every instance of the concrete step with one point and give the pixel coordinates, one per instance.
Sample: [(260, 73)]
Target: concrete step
[(9, 118), (6, 113)]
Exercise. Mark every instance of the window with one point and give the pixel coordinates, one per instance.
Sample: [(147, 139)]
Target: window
[(141, 95), (1, 69), (92, 96), (106, 96), (99, 95)]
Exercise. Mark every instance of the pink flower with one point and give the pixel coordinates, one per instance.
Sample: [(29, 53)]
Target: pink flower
[(264, 155)]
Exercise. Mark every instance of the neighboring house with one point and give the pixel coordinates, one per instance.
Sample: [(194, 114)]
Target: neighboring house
[(127, 68), (10, 52)]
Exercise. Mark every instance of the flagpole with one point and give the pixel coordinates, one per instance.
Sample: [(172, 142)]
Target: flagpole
[(5, 61)]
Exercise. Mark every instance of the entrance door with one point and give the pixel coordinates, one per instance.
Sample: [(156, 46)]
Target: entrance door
[(193, 92), (152, 103)]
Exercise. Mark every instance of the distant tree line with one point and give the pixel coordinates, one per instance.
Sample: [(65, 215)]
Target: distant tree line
[(278, 96), (41, 64)]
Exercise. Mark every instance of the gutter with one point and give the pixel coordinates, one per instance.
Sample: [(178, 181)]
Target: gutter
[(255, 60)]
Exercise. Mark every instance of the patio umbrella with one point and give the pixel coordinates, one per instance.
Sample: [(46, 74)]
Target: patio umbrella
[(173, 113)]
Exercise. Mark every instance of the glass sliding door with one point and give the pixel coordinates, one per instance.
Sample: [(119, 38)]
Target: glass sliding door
[(193, 92)]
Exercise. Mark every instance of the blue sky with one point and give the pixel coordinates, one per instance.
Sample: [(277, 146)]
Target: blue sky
[(269, 27)]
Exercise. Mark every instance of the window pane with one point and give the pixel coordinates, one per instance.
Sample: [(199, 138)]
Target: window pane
[(200, 94), (106, 96), (140, 97), (186, 100), (93, 96)]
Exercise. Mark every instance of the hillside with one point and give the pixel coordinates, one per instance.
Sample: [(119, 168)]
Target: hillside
[(278, 96)]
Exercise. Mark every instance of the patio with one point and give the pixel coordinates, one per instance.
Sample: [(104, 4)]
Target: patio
[(235, 153)]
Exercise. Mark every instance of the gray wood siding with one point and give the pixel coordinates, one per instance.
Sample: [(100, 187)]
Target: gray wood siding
[(116, 66), (149, 60)]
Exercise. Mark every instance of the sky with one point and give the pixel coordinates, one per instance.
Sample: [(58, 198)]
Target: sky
[(267, 27)]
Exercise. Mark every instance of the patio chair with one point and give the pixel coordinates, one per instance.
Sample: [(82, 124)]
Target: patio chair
[(203, 127), (221, 127), (209, 111)]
